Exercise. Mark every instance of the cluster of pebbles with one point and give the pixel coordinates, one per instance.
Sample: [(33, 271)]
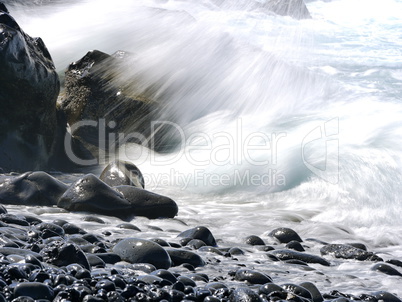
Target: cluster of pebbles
[(61, 261)]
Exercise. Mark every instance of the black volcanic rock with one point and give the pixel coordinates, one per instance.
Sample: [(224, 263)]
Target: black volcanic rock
[(120, 173), (201, 233), (135, 250), (285, 235), (29, 87), (346, 251), (31, 188), (148, 204)]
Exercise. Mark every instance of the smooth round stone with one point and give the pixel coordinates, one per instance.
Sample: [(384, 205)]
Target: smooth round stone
[(128, 226), (135, 250), (161, 242), (290, 255), (109, 258), (386, 269), (285, 235), (165, 274), (31, 189), (180, 256), (14, 219), (95, 261), (315, 293), (270, 288), (120, 173), (386, 296), (244, 295), (295, 245), (346, 251), (235, 251), (50, 230), (195, 244), (35, 290), (18, 251), (70, 228), (254, 240), (148, 204), (252, 277), (298, 290), (395, 262), (201, 233)]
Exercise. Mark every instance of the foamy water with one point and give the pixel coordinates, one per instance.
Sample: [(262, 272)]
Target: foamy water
[(283, 122)]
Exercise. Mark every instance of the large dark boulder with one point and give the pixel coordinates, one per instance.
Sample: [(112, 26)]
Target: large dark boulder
[(90, 194), (31, 189), (29, 86), (148, 204), (99, 102)]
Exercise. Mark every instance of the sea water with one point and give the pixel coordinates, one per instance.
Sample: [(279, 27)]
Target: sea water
[(282, 122)]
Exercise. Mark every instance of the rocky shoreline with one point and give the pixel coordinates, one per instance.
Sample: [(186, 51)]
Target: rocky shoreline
[(60, 261)]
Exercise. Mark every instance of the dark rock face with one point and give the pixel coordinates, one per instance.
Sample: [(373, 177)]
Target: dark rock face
[(285, 235), (346, 251), (294, 8), (120, 173), (136, 250), (29, 87), (148, 204), (290, 255), (37, 188), (95, 93)]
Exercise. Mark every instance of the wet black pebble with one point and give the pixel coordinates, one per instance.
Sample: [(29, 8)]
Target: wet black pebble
[(201, 233), (181, 256), (244, 295), (254, 240), (386, 269), (135, 250), (35, 290), (285, 235), (252, 277), (295, 245)]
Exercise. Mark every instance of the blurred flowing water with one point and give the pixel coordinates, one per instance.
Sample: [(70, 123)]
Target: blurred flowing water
[(283, 122)]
